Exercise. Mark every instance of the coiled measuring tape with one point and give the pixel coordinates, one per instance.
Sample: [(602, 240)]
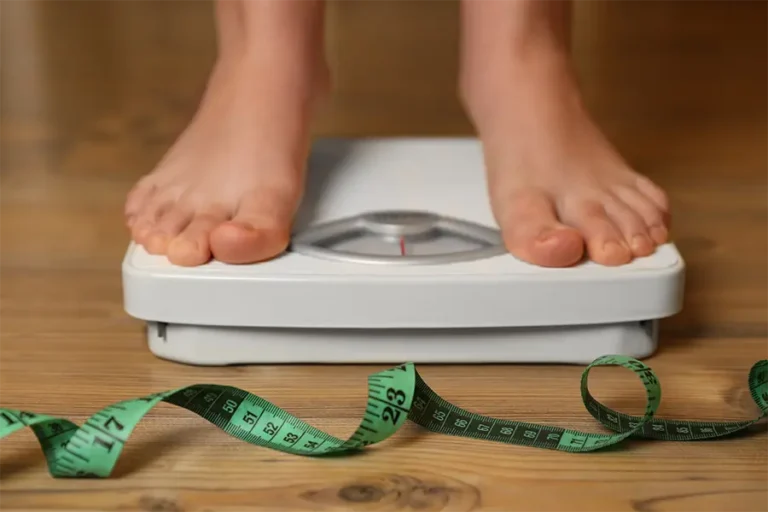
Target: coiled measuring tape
[(394, 396)]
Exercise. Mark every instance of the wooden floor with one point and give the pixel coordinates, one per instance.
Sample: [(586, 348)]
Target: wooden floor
[(94, 92)]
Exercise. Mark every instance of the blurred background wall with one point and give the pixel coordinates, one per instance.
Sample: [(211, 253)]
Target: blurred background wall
[(79, 63)]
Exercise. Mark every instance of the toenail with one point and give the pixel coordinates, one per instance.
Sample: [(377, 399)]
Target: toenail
[(549, 235), (639, 242), (546, 236)]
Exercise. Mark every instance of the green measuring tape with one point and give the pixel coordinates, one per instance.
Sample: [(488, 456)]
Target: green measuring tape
[(394, 396)]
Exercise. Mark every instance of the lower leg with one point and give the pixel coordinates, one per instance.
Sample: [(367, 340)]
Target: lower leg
[(556, 184), (230, 185)]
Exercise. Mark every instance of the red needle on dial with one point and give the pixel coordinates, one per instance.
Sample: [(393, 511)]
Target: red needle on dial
[(402, 246)]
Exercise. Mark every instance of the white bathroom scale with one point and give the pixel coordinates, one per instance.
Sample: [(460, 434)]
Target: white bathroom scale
[(396, 257)]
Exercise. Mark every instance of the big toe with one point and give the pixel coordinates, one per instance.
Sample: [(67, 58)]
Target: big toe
[(241, 241), (191, 247), (533, 233), (260, 229)]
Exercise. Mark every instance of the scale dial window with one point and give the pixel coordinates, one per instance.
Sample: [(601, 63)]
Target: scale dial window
[(399, 237)]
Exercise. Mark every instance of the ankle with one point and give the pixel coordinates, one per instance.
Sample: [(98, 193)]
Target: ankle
[(491, 78), (535, 81)]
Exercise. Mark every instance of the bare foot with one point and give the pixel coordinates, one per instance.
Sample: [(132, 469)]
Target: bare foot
[(231, 184), (556, 185)]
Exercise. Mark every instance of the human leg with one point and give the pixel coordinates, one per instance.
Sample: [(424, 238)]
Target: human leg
[(229, 186), (556, 184)]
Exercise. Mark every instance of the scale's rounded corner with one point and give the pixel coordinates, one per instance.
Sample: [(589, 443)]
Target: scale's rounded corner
[(678, 267), (676, 275), (137, 262), (135, 284), (669, 280), (128, 266)]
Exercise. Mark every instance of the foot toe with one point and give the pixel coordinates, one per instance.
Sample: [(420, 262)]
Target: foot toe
[(189, 250), (168, 226), (605, 243), (641, 245), (260, 229), (191, 247), (533, 233), (631, 226), (656, 219), (146, 220), (243, 240), (659, 234), (136, 200), (140, 228)]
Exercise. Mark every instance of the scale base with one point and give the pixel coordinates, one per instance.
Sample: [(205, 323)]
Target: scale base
[(219, 346), (385, 267)]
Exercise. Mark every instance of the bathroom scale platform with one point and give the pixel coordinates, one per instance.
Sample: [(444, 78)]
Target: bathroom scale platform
[(395, 256)]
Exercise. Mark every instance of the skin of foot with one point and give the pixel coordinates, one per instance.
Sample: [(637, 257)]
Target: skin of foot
[(558, 189), (230, 185)]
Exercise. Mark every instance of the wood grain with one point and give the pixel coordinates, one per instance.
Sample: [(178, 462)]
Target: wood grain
[(94, 92)]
